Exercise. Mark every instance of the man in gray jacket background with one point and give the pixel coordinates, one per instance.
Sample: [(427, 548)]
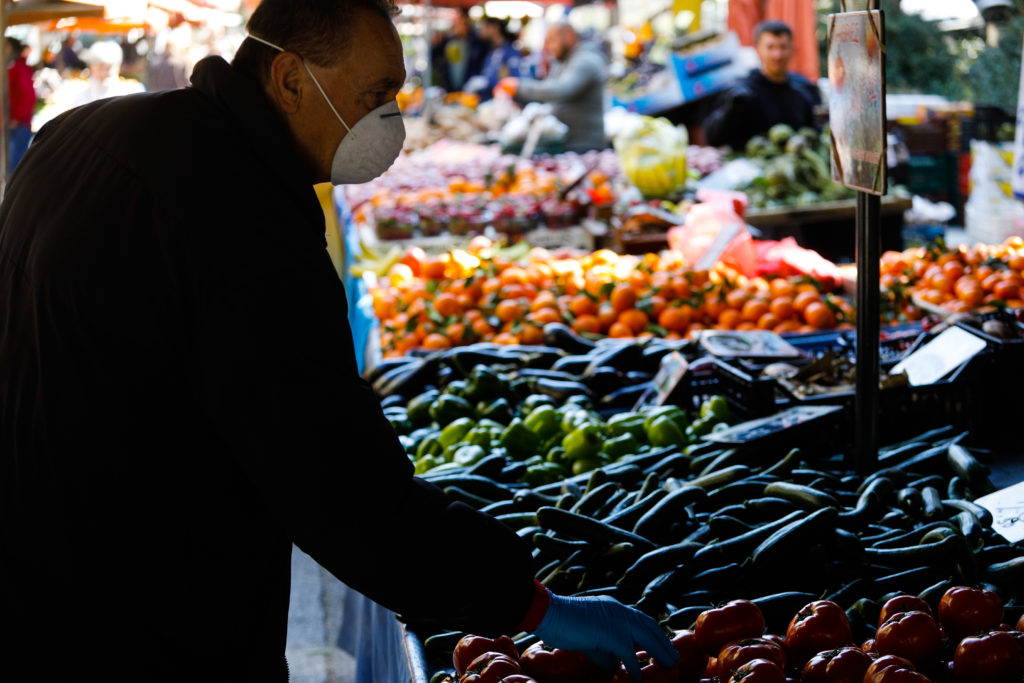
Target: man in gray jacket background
[(574, 87)]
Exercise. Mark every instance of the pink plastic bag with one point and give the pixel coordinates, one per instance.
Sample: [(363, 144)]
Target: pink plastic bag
[(704, 221)]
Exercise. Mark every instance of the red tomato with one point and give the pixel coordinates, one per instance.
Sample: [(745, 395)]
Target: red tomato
[(737, 653), (758, 671), (893, 669), (470, 647), (732, 621), (844, 665), (692, 660), (559, 666), (490, 667), (870, 646), (818, 626), (902, 603), (965, 611), (1020, 623), (913, 635), (989, 658), (518, 678)]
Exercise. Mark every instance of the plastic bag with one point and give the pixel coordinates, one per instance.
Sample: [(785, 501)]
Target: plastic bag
[(653, 156), (701, 229)]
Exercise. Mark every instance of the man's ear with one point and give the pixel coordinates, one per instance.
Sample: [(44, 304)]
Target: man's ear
[(286, 81)]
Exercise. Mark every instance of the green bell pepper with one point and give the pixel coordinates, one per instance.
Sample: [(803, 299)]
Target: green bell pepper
[(620, 446), (586, 465), (573, 415), (700, 427), (663, 431), (544, 473), (481, 435), (484, 384), (557, 455), (518, 440), (418, 409), (498, 410), (469, 455), (430, 445), (425, 464), (582, 442), (675, 413), (448, 408), (716, 407), (543, 421), (455, 431), (456, 387), (626, 423), (531, 402)]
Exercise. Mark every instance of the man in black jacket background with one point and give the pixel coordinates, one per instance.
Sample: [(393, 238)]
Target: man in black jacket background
[(766, 96), (179, 398)]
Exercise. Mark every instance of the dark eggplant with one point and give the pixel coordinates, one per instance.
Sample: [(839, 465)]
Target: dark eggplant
[(411, 381), (384, 365), (620, 356), (574, 365), (561, 336), (626, 397), (603, 380)]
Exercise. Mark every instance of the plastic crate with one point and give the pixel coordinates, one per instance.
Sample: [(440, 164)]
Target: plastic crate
[(903, 411), (995, 409)]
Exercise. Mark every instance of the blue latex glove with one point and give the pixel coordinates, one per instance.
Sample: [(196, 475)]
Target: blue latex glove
[(605, 630)]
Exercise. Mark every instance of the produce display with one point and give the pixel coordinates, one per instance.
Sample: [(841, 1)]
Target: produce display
[(653, 156), (953, 279), (794, 168), (724, 546), (480, 294), (961, 637), (464, 189)]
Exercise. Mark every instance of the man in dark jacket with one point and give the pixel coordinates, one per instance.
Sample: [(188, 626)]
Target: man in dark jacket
[(766, 96), (458, 55), (179, 399)]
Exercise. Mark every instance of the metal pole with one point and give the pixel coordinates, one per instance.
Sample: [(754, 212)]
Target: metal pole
[(868, 328)]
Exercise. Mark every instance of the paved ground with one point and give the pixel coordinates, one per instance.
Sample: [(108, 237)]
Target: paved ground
[(314, 621)]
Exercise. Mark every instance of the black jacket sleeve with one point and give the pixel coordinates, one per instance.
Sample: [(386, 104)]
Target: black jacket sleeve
[(280, 381)]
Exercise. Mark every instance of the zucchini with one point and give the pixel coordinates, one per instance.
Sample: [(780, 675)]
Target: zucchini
[(970, 528), (721, 477), (790, 540), (933, 555), (779, 608), (483, 487), (456, 493), (931, 500), (658, 522), (518, 520), (955, 505), (1008, 575), (724, 526), (719, 462), (627, 518), (900, 538), (555, 545), (788, 463), (587, 529), (970, 469), (673, 464), (685, 617), (956, 488), (736, 492), (869, 504), (804, 496), (595, 498), (768, 507), (738, 547), (654, 563), (908, 582)]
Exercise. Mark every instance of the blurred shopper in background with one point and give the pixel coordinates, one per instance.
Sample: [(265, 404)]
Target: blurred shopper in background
[(458, 55), (103, 59), (21, 94), (574, 86), (766, 96), (503, 61)]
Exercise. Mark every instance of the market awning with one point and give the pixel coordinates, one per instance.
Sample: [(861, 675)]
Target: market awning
[(37, 11)]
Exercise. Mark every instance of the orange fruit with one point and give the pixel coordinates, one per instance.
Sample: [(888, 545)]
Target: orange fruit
[(622, 297), (713, 306), (544, 316), (768, 321), (635, 319), (587, 323), (729, 319), (786, 327), (658, 304), (819, 316), (447, 304), (737, 298), (582, 304), (508, 310), (545, 299), (801, 300), (456, 332), (482, 328), (781, 307), (675, 318), (531, 334), (436, 340), (505, 338), (753, 309), (620, 330), (606, 315), (781, 287), (746, 325), (433, 268)]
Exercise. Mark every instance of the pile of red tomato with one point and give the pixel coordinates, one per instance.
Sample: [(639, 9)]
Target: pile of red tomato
[(966, 641)]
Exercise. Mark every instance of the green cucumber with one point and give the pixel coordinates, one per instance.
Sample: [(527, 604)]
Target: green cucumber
[(804, 496), (588, 529), (715, 479), (970, 469)]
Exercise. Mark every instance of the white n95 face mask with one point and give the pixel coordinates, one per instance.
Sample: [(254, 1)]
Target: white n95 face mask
[(368, 148)]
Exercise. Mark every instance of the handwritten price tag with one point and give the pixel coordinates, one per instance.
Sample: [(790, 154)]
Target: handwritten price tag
[(1007, 508)]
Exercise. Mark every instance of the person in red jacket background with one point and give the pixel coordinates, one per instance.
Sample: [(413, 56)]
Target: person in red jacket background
[(22, 96)]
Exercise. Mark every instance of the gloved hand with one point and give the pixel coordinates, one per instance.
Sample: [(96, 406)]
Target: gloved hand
[(605, 630), (507, 86)]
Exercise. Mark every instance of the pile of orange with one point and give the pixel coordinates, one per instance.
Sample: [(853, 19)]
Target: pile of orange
[(471, 295), (956, 280)]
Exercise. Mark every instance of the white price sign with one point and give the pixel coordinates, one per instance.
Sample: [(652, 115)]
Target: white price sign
[(1007, 508)]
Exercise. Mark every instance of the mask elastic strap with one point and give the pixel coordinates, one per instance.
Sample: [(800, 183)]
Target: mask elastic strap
[(315, 81)]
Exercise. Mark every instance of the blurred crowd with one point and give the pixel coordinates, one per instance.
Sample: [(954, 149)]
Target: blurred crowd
[(63, 71)]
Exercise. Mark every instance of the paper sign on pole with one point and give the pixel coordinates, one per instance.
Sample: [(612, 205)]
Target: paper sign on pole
[(1017, 178), (856, 74)]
